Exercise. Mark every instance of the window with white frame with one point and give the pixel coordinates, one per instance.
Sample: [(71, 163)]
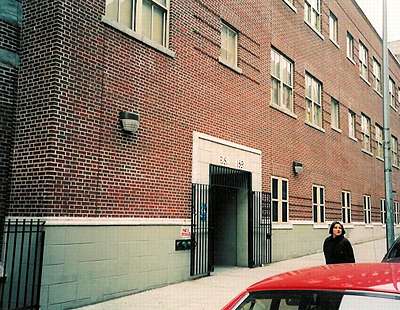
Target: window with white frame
[(376, 72), (318, 202), (352, 124), (379, 141), (281, 81), (383, 211), (367, 209), (392, 93), (366, 132), (312, 13), (363, 56), (313, 101), (395, 156), (229, 45), (396, 212), (333, 27), (280, 199), (335, 113), (346, 207), (146, 17), (350, 46)]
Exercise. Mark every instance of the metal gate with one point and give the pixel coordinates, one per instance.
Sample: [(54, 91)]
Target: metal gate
[(260, 229), (21, 261)]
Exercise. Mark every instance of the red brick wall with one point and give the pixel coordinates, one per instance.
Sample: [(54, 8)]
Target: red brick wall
[(77, 73)]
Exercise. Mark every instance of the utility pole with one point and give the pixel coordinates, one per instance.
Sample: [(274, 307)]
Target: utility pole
[(387, 136)]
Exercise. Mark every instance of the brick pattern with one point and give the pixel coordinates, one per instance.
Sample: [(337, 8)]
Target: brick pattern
[(77, 73)]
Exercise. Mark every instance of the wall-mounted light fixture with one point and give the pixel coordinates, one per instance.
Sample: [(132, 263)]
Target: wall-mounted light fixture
[(297, 167), (130, 121)]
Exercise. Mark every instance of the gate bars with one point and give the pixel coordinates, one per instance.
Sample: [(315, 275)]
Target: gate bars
[(22, 260)]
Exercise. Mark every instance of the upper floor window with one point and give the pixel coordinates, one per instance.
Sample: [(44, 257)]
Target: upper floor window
[(350, 46), (392, 93), (229, 44), (367, 209), (335, 113), (376, 72), (395, 156), (352, 124), (366, 132), (147, 17), (379, 141), (333, 27), (346, 207), (318, 202), (363, 56), (383, 211), (313, 101), (281, 81), (312, 13), (280, 199), (396, 212)]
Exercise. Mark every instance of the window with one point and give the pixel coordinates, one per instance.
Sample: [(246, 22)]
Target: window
[(394, 147), (379, 141), (229, 43), (376, 71), (282, 81), (312, 13), (346, 207), (392, 94), (396, 212), (318, 202), (352, 124), (333, 27), (313, 101), (147, 17), (280, 200), (363, 55), (367, 209), (335, 112), (366, 132), (383, 211), (350, 46)]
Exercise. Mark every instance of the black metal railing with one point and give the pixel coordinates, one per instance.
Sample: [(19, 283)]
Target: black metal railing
[(21, 264)]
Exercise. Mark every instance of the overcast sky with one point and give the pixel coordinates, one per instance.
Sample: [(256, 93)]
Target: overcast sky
[(373, 10)]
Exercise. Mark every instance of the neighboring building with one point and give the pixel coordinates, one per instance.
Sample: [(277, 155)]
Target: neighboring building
[(277, 96), (394, 46)]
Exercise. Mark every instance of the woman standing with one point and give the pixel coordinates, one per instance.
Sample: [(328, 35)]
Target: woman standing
[(337, 248)]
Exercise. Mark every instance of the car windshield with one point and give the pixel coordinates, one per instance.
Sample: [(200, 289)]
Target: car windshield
[(319, 300)]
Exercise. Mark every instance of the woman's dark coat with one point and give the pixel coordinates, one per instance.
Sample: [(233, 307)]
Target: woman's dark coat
[(338, 250)]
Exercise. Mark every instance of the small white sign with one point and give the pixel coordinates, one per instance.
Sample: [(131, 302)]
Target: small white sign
[(185, 232)]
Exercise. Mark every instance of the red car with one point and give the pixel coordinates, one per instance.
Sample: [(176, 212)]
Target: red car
[(374, 286)]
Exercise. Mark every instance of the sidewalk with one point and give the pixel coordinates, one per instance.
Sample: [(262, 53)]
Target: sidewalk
[(215, 291)]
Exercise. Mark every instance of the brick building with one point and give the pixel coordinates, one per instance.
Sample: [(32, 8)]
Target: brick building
[(283, 95)]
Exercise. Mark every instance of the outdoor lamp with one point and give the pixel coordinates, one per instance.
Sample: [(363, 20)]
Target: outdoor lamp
[(297, 167), (130, 121)]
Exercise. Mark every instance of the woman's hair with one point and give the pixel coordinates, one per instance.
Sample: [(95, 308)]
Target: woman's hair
[(333, 225)]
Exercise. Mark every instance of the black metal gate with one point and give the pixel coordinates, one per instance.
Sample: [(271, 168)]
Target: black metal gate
[(202, 220), (21, 261), (260, 229)]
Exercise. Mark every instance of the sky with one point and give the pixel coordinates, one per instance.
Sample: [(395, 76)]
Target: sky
[(373, 10)]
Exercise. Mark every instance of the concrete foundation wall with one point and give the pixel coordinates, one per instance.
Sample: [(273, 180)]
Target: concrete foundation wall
[(89, 264)]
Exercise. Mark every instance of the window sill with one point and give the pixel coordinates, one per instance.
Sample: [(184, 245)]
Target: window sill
[(367, 152), (314, 126), (379, 158), (282, 226), (394, 108), (348, 225), (365, 80), (315, 30), (320, 225), (394, 166), (139, 37), (230, 66), (354, 139), (283, 110), (369, 226), (290, 5), (337, 129), (335, 43), (379, 94), (351, 60)]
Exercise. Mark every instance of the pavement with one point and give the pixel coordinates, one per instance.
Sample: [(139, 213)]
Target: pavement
[(215, 291)]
